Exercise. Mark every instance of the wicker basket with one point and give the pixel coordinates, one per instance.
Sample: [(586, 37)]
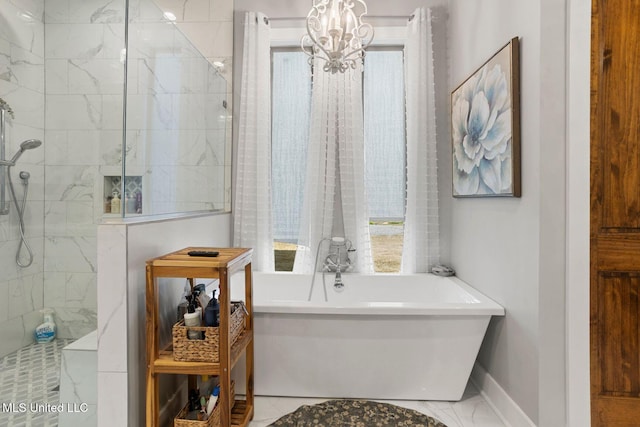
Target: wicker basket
[(207, 349), (212, 421)]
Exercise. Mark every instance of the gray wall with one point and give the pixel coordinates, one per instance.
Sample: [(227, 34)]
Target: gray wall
[(524, 266), (513, 250)]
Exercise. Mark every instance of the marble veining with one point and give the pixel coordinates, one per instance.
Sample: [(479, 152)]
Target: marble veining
[(70, 254), (78, 381), (112, 319), (98, 11), (5, 70), (154, 85), (91, 77), (75, 322), (105, 14)]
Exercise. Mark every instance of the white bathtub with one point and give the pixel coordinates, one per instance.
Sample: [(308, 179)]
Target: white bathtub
[(410, 337)]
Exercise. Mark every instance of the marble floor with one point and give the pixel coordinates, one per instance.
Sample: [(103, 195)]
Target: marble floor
[(471, 411), (32, 374)]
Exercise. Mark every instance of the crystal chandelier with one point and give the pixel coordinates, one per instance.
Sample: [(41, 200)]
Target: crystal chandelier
[(336, 33)]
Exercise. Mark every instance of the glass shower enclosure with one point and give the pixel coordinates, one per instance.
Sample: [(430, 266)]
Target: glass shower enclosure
[(124, 104), (176, 152)]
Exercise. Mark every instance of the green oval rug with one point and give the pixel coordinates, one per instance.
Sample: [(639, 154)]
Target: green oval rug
[(355, 413)]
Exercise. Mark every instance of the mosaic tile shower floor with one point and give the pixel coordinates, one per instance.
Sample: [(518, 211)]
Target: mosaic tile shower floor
[(29, 385)]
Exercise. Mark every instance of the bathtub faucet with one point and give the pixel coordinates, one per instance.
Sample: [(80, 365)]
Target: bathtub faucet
[(338, 285), (334, 261)]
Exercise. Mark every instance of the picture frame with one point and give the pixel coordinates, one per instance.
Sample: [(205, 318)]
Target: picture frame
[(485, 128)]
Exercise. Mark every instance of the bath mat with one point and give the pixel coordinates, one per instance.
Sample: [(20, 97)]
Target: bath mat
[(355, 413)]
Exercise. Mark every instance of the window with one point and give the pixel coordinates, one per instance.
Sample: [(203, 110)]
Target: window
[(290, 115), (384, 131), (384, 139)]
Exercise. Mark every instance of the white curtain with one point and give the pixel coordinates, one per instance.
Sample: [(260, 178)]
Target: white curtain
[(421, 230), (335, 197), (253, 225)]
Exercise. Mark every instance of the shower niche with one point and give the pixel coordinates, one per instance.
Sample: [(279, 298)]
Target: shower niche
[(130, 203)]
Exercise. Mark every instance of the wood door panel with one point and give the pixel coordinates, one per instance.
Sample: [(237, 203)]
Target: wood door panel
[(620, 114), (618, 251), (617, 318), (616, 412), (615, 213)]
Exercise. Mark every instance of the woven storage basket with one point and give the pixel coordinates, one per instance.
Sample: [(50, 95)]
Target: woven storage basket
[(207, 349), (212, 421)]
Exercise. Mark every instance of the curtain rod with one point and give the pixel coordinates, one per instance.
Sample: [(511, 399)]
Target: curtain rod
[(408, 18)]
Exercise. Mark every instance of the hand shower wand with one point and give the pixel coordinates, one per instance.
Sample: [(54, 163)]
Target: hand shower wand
[(24, 176)]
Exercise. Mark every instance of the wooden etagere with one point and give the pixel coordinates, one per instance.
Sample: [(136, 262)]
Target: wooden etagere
[(160, 361)]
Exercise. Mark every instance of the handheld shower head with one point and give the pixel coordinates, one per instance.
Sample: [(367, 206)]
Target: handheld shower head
[(30, 143), (26, 145)]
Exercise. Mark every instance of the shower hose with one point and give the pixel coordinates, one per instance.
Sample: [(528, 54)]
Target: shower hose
[(23, 241)]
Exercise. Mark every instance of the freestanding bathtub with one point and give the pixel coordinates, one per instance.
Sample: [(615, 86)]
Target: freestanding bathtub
[(412, 337)]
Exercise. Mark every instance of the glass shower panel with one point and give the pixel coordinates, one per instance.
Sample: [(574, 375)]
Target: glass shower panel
[(176, 120)]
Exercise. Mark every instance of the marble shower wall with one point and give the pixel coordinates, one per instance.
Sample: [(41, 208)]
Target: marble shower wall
[(22, 87), (176, 117), (83, 118), (74, 49), (208, 24), (175, 134)]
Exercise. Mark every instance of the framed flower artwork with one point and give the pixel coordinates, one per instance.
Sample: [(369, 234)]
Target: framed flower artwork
[(485, 128)]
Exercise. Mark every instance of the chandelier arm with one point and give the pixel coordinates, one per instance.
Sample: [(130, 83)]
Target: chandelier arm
[(362, 48), (340, 39), (365, 32), (308, 49), (356, 52), (364, 9), (314, 41)]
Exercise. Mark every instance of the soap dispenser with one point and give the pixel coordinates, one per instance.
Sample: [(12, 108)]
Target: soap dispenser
[(130, 204), (138, 202), (115, 203), (212, 312)]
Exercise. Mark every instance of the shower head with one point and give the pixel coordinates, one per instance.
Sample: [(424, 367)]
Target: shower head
[(26, 145), (30, 143)]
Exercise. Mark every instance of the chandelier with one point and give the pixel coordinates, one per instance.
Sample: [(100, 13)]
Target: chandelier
[(336, 33)]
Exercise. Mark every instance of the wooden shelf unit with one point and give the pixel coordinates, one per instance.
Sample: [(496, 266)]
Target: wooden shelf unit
[(179, 264)]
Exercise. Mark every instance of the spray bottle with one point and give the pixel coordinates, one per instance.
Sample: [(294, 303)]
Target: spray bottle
[(46, 332)]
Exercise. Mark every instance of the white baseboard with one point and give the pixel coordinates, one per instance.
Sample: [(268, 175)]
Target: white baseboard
[(509, 412)]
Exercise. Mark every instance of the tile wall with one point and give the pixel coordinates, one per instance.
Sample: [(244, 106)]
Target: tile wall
[(22, 87), (83, 120), (74, 49)]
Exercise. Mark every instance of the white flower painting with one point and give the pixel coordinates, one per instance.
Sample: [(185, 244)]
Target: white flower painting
[(485, 129)]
